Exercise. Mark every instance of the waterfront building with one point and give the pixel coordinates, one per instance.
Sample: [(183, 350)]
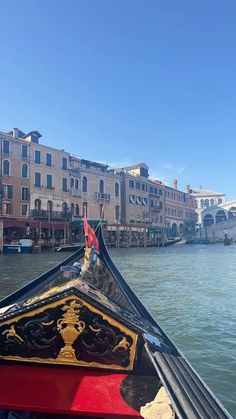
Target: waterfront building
[(179, 211), (49, 182), (14, 193), (204, 199), (98, 190)]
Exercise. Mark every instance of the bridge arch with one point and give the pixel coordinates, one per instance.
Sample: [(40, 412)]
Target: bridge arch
[(220, 216), (232, 213), (208, 220)]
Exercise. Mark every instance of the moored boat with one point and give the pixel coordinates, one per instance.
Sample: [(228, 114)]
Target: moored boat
[(78, 341), (23, 246)]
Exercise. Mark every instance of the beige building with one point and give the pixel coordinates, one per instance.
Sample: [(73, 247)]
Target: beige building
[(49, 181), (14, 179), (99, 190), (179, 210)]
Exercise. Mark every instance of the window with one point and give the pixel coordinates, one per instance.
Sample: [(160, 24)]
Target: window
[(6, 168), (48, 159), (85, 209), (137, 185), (24, 194), (64, 163), (76, 184), (7, 191), (160, 192), (49, 208), (24, 151), (117, 213), (37, 179), (64, 184), (6, 147), (101, 186), (37, 156), (101, 211), (49, 181), (131, 184), (24, 170), (72, 208), (24, 209), (151, 189), (117, 189), (37, 204), (77, 209), (72, 182), (7, 208), (155, 191), (84, 184), (64, 208)]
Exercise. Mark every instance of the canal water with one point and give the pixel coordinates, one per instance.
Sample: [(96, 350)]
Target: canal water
[(189, 289)]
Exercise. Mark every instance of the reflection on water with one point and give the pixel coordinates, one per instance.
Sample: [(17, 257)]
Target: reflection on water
[(189, 289)]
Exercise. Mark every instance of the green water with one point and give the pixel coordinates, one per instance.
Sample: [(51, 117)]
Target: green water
[(190, 290)]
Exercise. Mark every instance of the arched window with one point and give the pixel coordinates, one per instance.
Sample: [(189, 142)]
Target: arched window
[(24, 170), (49, 208), (212, 202), (202, 203), (220, 216), (101, 186), (37, 204), (64, 207), (77, 209), (208, 220), (232, 213), (206, 202), (72, 182), (85, 209), (220, 201), (85, 184), (117, 189), (72, 208), (76, 184), (6, 168)]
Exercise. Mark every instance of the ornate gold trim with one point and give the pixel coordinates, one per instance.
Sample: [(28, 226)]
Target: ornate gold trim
[(69, 326)]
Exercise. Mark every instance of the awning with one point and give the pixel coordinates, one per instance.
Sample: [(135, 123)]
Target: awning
[(16, 223)]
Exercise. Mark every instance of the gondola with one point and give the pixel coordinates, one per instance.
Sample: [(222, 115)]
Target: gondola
[(77, 342)]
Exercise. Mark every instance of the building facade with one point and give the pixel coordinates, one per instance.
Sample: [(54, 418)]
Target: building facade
[(203, 199), (48, 190), (179, 211)]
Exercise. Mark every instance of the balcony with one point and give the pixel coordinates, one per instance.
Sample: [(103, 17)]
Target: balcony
[(50, 215), (102, 196), (75, 192), (156, 208)]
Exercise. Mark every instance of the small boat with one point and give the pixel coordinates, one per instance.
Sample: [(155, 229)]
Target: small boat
[(78, 341), (23, 246), (68, 247), (227, 240)]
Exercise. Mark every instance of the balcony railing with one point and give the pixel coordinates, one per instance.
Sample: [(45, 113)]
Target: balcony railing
[(75, 192), (51, 215), (102, 196), (156, 208)]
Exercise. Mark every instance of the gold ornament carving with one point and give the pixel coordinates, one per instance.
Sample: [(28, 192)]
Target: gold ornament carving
[(70, 327)]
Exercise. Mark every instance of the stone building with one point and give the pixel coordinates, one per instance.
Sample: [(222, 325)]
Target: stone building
[(203, 199), (179, 211), (99, 190)]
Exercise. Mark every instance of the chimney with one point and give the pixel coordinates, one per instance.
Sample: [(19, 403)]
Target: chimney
[(174, 184), (15, 132), (187, 188)]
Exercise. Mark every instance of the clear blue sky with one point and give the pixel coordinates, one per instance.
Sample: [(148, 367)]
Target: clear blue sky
[(126, 81)]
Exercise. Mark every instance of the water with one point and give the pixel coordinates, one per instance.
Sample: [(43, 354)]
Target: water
[(189, 289)]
